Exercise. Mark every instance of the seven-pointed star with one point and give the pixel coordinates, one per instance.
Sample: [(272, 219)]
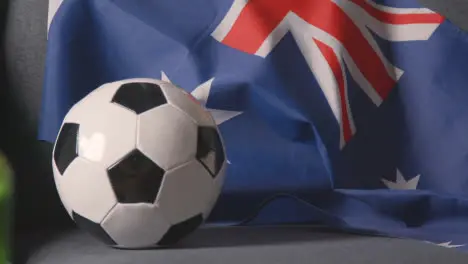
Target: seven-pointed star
[(202, 92), (401, 183), (447, 244)]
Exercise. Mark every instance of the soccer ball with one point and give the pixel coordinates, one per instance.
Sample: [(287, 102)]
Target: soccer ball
[(138, 163)]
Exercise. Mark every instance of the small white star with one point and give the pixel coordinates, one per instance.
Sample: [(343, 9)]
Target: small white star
[(202, 92), (447, 244), (401, 183)]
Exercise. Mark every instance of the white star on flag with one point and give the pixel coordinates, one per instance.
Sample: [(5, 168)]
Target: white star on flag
[(201, 93), (401, 183), (447, 244)]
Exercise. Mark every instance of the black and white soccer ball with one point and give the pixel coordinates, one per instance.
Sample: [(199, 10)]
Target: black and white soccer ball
[(138, 163)]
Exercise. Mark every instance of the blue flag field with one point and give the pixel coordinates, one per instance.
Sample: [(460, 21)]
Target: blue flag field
[(347, 113)]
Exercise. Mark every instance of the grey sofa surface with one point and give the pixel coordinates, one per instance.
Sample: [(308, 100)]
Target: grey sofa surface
[(38, 208), (256, 245)]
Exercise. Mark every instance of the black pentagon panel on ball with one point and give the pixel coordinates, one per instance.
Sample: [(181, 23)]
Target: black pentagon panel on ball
[(66, 146), (210, 150), (93, 229), (181, 230), (136, 178), (139, 96)]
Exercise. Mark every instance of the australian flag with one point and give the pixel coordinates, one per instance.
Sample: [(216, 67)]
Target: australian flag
[(346, 113)]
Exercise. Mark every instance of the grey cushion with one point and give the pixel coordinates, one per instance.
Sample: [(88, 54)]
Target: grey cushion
[(282, 245), (455, 10)]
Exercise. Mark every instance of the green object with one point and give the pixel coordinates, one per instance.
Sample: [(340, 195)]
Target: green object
[(6, 200)]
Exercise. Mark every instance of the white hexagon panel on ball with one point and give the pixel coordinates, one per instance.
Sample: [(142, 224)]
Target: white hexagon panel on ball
[(138, 163)]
